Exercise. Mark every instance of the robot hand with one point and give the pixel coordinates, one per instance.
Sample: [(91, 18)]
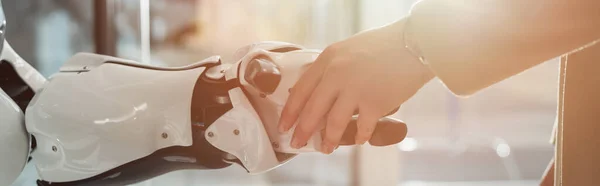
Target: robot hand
[(108, 121)]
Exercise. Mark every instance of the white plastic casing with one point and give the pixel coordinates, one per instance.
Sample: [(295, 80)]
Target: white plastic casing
[(14, 147), (14, 139), (32, 77), (97, 115), (90, 122)]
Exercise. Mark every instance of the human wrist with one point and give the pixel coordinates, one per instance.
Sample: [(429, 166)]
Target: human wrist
[(397, 41), (411, 46), (409, 36)]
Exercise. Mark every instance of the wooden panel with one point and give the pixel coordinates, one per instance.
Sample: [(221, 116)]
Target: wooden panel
[(579, 131)]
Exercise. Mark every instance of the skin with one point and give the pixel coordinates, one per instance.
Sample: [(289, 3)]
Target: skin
[(469, 45), (350, 76)]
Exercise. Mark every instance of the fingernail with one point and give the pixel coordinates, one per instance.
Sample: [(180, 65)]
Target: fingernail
[(327, 148), (360, 141), (295, 143), (282, 128)]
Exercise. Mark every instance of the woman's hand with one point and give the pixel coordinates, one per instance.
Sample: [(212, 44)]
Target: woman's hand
[(371, 72)]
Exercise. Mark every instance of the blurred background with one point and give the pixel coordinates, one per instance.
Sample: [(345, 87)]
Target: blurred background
[(499, 136)]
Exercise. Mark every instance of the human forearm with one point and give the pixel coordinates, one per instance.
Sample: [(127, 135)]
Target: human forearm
[(472, 44)]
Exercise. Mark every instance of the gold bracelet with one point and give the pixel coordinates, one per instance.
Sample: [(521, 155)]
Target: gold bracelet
[(412, 48), (411, 45)]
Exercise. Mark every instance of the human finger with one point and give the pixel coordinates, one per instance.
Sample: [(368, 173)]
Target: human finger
[(299, 95), (317, 106), (365, 126), (337, 121)]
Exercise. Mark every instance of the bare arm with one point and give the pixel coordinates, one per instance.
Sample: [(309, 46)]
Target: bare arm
[(471, 44)]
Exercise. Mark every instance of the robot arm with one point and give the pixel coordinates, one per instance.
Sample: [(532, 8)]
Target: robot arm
[(103, 120)]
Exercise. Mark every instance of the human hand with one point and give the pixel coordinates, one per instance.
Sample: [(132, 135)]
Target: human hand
[(371, 73)]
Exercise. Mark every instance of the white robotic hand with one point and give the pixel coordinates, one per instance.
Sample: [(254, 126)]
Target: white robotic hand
[(108, 121)]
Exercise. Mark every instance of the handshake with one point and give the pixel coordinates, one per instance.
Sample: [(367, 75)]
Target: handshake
[(103, 120)]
